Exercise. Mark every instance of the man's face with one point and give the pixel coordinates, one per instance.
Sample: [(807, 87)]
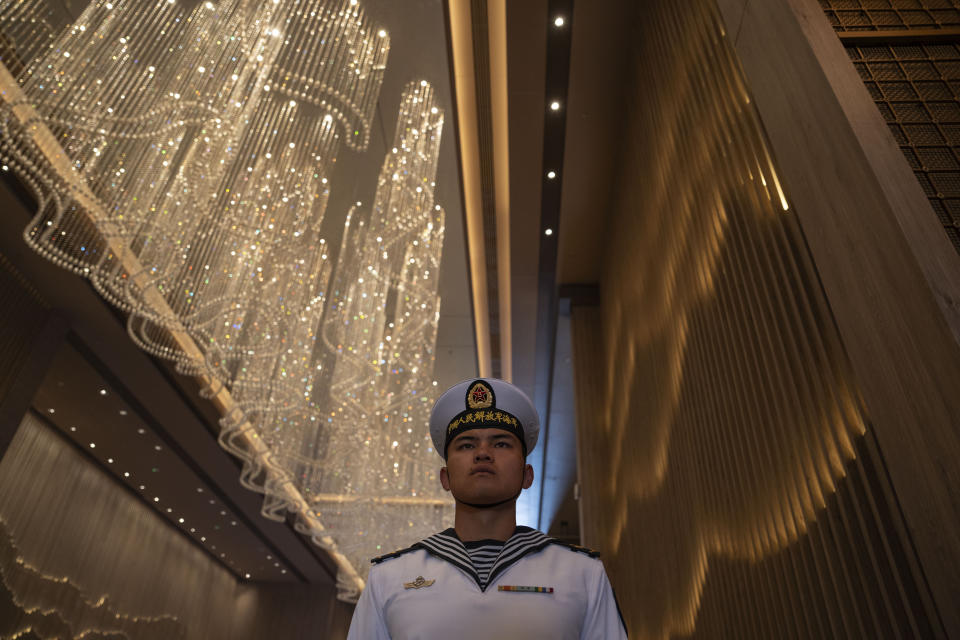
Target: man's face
[(485, 466)]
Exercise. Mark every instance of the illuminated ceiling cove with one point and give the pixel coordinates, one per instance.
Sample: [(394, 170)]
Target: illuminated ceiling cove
[(211, 168)]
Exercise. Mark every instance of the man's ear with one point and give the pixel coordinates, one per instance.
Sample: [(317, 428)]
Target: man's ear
[(445, 479), (527, 476)]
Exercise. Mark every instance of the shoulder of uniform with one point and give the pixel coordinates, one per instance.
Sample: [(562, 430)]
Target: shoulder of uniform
[(576, 547), (395, 554)]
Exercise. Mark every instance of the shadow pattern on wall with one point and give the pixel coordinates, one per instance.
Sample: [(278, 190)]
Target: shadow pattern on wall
[(728, 468)]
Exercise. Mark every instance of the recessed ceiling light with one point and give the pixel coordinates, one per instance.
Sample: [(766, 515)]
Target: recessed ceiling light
[(554, 106), (199, 489), (157, 447), (548, 232), (558, 21), (141, 431), (93, 445), (126, 474), (142, 487), (103, 392), (203, 538), (551, 174), (110, 460), (73, 428), (123, 412), (51, 410), (247, 575), (181, 520), (156, 499), (169, 510)]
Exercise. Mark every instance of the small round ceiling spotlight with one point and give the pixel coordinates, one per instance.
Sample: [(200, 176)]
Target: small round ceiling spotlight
[(551, 174), (559, 21), (554, 106), (548, 232)]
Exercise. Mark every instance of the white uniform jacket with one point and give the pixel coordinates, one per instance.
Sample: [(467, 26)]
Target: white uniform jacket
[(431, 591)]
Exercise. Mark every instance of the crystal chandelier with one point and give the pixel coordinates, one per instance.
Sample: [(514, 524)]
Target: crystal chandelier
[(180, 154), (379, 333)]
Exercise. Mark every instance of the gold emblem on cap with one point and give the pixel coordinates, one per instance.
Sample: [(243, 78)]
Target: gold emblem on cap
[(480, 396), (419, 582)]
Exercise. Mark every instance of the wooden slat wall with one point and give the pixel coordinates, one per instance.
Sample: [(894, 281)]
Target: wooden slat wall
[(729, 472)]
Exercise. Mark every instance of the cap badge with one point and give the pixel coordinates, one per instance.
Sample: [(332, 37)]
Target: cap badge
[(480, 396), (419, 582)]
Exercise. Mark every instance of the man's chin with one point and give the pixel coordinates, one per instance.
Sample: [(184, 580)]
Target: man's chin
[(483, 499)]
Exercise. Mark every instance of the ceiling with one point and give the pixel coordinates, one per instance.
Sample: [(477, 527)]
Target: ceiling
[(577, 63), (100, 418)]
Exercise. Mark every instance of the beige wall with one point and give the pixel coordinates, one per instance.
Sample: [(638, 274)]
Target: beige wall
[(734, 450)]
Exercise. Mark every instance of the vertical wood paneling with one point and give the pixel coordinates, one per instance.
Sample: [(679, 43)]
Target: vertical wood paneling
[(727, 466)]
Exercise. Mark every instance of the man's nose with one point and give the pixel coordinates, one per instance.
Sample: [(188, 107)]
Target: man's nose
[(481, 453)]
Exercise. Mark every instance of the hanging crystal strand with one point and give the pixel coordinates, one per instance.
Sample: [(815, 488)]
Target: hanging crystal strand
[(98, 89), (291, 433), (292, 181), (380, 334), (402, 201), (183, 253), (345, 70), (272, 344), (267, 181), (409, 378), (26, 29)]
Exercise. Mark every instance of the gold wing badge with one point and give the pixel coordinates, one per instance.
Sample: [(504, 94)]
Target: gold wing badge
[(419, 582)]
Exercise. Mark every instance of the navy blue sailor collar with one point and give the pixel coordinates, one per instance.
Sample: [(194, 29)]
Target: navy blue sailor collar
[(447, 546)]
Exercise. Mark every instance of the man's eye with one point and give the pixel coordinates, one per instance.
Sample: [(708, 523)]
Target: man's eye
[(503, 443)]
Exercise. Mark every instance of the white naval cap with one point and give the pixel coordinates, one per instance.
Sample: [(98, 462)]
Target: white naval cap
[(483, 403)]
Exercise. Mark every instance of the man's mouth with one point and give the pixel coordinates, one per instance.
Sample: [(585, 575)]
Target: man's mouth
[(478, 470)]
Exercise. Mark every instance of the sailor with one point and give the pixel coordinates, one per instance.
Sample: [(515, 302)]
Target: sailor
[(486, 577)]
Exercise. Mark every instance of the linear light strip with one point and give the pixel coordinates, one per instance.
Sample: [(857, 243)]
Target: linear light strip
[(461, 42), (499, 111)]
